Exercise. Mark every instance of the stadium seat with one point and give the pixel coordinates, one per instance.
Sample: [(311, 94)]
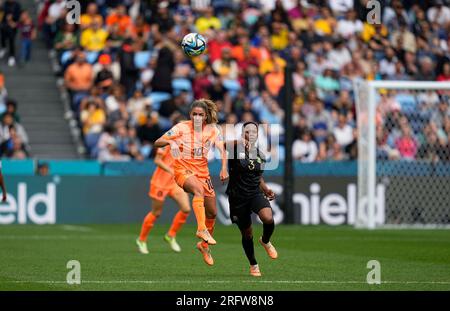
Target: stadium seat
[(407, 101), (181, 84), (232, 86), (92, 57), (142, 58), (158, 97)]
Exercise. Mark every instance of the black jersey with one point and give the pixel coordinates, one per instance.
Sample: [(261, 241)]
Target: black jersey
[(245, 173)]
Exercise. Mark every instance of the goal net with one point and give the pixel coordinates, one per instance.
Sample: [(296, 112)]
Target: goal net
[(403, 154)]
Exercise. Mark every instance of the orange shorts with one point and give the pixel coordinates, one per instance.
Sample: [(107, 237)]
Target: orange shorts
[(160, 193), (180, 179)]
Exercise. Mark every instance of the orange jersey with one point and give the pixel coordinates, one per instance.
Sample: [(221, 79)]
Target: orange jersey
[(194, 146), (161, 177)]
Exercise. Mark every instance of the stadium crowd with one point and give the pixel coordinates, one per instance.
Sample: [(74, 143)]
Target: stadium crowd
[(13, 137), (129, 79)]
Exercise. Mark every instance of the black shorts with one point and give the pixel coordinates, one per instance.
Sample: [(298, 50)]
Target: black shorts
[(241, 209)]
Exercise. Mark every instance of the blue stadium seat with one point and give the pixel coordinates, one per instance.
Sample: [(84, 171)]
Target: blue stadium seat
[(92, 57), (181, 84), (158, 97), (65, 57), (408, 102), (142, 58), (232, 86)]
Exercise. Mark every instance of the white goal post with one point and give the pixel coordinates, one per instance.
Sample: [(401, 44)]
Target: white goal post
[(370, 213)]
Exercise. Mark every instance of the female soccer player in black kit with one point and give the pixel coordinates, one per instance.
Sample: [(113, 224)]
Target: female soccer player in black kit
[(247, 193)]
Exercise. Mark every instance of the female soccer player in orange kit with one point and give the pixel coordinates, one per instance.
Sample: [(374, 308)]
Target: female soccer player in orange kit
[(161, 185), (190, 142)]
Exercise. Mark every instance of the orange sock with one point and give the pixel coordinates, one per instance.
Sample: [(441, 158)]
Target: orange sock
[(199, 211), (210, 222), (177, 222), (147, 225)]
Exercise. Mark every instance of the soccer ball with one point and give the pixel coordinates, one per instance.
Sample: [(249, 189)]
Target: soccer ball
[(193, 44)]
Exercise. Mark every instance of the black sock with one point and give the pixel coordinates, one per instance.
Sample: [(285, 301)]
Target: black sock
[(247, 244), (267, 232)]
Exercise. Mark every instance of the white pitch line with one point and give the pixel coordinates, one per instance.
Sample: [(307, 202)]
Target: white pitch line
[(76, 228), (66, 237), (226, 281)]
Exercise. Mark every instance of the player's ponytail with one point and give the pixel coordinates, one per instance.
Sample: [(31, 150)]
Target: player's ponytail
[(210, 108)]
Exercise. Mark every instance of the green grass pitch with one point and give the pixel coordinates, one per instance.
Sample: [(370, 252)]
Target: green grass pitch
[(310, 258)]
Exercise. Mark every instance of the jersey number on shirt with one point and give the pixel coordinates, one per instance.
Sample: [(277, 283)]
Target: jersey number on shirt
[(197, 152), (251, 166)]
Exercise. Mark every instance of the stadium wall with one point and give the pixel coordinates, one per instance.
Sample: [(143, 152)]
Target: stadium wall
[(123, 199), (82, 192)]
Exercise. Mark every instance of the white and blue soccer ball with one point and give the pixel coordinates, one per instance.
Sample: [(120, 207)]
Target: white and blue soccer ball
[(193, 44)]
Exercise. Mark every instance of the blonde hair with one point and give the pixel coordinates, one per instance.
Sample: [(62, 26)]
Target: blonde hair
[(210, 108)]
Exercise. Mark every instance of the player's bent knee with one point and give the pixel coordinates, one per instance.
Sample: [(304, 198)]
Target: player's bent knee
[(199, 192), (186, 210), (210, 214), (247, 233), (156, 213), (267, 220)]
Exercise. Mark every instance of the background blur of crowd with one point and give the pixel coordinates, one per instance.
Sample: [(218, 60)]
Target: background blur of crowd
[(128, 78)]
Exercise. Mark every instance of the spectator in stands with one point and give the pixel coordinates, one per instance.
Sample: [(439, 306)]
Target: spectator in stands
[(120, 17), (165, 66), (207, 21), (320, 121), (27, 35), (55, 11), (42, 169), (93, 38), (249, 45), (406, 143), (11, 11), (91, 16), (403, 39), (350, 26), (163, 21), (111, 153), (13, 146), (339, 7), (8, 123), (11, 108), (337, 153), (139, 107), (387, 64), (128, 70), (432, 150), (343, 132), (445, 75), (3, 92), (305, 149), (274, 81), (151, 130), (225, 66), (106, 72), (66, 39), (441, 114), (439, 13), (93, 119), (78, 79), (426, 71)]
